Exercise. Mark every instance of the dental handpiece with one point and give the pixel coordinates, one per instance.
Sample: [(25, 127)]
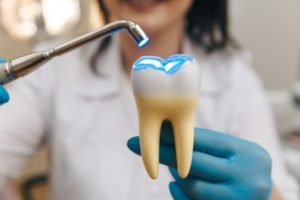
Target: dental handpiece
[(22, 66)]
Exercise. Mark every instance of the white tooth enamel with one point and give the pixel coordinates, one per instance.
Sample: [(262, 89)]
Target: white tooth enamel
[(161, 96)]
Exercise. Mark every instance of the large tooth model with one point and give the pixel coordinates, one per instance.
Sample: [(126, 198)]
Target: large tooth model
[(166, 90)]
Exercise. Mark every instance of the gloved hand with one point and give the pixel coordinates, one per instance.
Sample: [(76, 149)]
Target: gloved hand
[(4, 97), (223, 167)]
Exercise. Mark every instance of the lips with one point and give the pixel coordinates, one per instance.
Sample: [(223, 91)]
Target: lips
[(142, 2), (166, 90)]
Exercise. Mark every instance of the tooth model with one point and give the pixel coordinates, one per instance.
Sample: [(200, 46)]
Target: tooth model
[(166, 90)]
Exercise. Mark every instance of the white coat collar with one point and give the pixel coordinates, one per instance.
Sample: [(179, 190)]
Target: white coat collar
[(213, 72)]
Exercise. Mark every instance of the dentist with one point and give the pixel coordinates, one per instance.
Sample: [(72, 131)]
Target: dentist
[(82, 105)]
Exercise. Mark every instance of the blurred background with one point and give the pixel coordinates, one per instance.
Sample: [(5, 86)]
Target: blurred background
[(269, 29)]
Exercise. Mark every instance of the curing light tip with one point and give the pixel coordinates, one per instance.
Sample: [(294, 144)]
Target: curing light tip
[(144, 42)]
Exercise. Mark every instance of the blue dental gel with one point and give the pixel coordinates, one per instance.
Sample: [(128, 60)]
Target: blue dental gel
[(169, 66)]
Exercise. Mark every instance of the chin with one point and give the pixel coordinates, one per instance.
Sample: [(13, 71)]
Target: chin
[(150, 24)]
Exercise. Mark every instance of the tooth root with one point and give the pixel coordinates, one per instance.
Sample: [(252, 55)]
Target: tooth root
[(181, 112), (183, 127), (184, 138), (150, 125)]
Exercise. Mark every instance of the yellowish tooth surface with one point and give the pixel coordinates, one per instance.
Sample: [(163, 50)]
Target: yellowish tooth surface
[(183, 127), (150, 125), (152, 112)]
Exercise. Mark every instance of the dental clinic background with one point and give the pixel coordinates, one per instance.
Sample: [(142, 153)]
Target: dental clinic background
[(269, 30)]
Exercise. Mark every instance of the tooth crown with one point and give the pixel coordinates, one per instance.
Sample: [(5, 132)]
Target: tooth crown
[(166, 90), (152, 80)]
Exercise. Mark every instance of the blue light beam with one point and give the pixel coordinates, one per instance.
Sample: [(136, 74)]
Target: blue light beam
[(169, 66)]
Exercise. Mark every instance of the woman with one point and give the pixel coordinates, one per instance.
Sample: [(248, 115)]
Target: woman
[(87, 110)]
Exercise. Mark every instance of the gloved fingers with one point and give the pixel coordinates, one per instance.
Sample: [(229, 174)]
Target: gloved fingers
[(177, 193), (206, 141), (204, 166), (2, 60), (166, 135), (4, 97), (211, 168), (214, 143), (199, 189)]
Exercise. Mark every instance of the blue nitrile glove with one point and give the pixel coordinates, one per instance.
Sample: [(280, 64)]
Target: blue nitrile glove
[(4, 97), (223, 167)]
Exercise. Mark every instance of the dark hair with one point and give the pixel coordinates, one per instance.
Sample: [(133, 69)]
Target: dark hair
[(206, 25)]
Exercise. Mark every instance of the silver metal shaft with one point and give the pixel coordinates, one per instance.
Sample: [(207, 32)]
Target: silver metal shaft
[(18, 67)]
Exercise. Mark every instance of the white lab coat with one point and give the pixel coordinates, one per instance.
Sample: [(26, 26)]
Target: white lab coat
[(87, 120)]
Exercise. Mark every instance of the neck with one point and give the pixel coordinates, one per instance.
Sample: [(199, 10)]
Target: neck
[(162, 44)]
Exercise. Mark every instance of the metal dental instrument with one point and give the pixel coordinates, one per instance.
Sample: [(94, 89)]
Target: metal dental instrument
[(22, 66)]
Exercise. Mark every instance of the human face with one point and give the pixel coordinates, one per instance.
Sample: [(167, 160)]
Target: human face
[(153, 16)]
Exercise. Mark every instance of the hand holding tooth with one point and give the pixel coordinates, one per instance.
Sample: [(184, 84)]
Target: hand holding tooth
[(166, 90), (223, 167)]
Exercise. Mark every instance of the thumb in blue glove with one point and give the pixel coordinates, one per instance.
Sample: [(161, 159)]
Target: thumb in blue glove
[(223, 167), (4, 97)]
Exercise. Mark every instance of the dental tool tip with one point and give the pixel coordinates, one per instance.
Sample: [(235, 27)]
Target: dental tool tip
[(144, 42), (138, 34)]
